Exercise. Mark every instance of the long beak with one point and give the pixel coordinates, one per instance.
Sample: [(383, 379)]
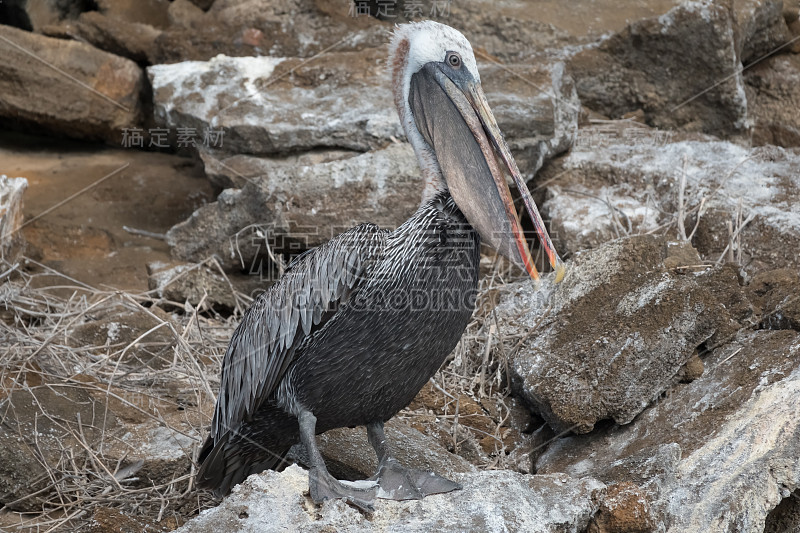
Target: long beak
[(464, 121), (477, 99)]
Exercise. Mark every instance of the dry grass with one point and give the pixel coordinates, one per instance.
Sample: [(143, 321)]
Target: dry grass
[(86, 466), (167, 377)]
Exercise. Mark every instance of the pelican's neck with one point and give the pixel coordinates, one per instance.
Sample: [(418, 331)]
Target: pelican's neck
[(433, 179)]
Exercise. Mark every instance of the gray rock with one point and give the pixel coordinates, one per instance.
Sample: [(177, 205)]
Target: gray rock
[(348, 451), (490, 501), (133, 40), (62, 106), (266, 27), (323, 105), (579, 369), (716, 454), (773, 96), (625, 181), (759, 28), (343, 101), (299, 207), (11, 201), (657, 65), (193, 283), (228, 171)]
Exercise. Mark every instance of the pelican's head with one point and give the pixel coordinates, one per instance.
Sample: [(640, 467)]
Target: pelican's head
[(438, 95)]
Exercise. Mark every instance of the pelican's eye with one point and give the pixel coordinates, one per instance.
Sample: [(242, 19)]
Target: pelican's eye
[(453, 59)]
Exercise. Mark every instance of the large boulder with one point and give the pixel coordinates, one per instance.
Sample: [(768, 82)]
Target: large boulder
[(717, 454), (626, 180), (490, 501), (80, 91), (291, 208), (271, 105), (682, 69), (612, 336), (262, 110)]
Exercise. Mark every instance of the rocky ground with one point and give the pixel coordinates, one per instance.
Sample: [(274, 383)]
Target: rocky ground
[(161, 161)]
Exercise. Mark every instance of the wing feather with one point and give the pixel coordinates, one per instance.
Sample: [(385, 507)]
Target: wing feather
[(262, 347)]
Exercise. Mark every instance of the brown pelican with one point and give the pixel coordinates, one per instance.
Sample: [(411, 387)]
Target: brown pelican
[(354, 328)]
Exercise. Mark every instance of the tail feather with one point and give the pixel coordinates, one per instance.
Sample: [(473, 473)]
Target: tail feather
[(226, 463)]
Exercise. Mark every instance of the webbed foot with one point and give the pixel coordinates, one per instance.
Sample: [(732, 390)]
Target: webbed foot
[(397, 482), (323, 486)]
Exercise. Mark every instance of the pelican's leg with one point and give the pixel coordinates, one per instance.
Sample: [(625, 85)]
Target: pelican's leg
[(321, 484), (398, 482)]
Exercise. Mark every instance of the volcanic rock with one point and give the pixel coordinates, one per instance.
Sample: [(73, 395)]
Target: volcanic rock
[(125, 38), (610, 338), (681, 69), (773, 96), (192, 283), (97, 98), (270, 105), (626, 180), (298, 207), (716, 454), (490, 501)]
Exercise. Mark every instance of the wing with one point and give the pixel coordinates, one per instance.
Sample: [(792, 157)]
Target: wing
[(263, 345)]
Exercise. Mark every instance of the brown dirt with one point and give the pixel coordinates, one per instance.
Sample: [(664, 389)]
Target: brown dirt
[(107, 520), (84, 238), (625, 509)]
